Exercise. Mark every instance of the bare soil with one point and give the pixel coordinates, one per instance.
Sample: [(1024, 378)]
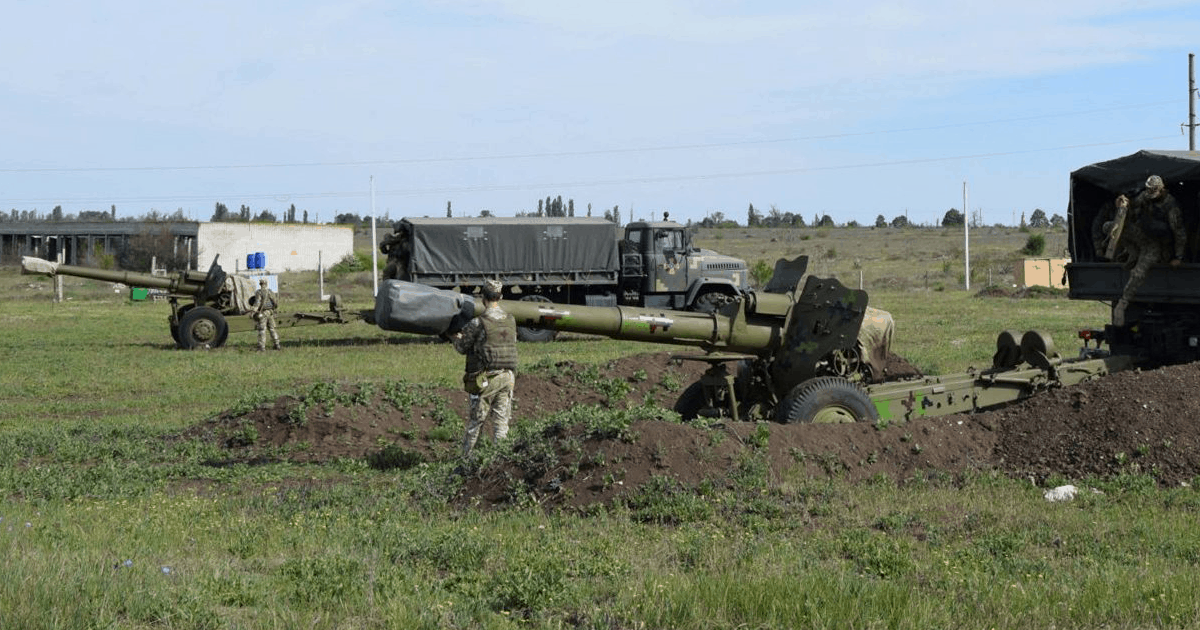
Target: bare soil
[(1131, 422)]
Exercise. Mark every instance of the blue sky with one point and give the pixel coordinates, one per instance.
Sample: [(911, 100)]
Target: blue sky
[(686, 106)]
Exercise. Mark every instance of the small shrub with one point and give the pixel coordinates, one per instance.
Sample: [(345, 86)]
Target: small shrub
[(393, 457), (761, 436), (1034, 245), (761, 272)]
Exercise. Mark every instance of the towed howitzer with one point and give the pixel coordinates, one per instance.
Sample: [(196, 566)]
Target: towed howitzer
[(799, 348), (205, 307)]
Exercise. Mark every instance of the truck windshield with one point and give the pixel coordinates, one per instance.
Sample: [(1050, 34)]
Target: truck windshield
[(669, 239)]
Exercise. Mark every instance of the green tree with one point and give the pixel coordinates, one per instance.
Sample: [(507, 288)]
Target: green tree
[(1038, 219), (952, 218), (900, 221), (220, 213), (880, 222)]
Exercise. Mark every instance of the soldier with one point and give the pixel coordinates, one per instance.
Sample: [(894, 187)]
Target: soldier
[(490, 344), (396, 247), (1152, 227), (264, 302)]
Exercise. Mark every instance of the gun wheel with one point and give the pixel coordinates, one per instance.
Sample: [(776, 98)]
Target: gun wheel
[(826, 399), (202, 327)]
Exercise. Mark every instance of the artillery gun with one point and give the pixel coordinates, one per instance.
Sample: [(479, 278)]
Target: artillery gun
[(797, 351), (205, 307)]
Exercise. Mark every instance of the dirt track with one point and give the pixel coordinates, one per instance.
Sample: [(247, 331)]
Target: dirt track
[(1128, 422)]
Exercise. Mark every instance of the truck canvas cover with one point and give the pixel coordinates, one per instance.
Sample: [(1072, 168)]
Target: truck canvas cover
[(1094, 187), (580, 250)]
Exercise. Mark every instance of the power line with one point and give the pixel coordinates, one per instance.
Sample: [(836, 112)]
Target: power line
[(288, 197), (562, 154)]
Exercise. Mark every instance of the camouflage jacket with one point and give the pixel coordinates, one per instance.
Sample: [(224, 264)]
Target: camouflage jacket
[(1161, 219), (264, 300), (484, 351)]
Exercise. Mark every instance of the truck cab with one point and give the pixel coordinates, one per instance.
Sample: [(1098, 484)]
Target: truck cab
[(661, 268)]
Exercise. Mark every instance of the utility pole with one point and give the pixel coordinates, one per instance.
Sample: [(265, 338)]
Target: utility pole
[(1191, 102), (966, 238), (374, 245)]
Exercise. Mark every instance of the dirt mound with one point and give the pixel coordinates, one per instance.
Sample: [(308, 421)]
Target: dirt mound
[(1021, 293), (1132, 422)]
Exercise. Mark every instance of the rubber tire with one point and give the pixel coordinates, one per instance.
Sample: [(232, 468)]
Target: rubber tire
[(175, 325), (202, 328), (536, 335), (690, 402), (826, 399), (707, 302)]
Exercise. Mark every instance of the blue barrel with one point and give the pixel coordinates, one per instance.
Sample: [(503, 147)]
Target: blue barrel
[(249, 261), (260, 260)]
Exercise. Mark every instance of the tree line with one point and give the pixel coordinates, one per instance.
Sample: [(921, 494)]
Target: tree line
[(550, 206)]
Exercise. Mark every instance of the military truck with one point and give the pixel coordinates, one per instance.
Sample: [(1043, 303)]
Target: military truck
[(583, 261), (1162, 322)]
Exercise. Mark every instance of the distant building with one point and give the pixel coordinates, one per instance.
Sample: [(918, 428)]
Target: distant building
[(132, 245)]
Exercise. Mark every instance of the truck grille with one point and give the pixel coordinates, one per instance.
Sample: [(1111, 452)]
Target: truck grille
[(728, 266)]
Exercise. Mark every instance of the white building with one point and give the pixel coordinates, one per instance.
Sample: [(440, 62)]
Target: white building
[(286, 246)]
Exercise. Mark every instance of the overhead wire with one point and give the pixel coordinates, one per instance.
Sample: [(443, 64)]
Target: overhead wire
[(286, 197), (581, 153)]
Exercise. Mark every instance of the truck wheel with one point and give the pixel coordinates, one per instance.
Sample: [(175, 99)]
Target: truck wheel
[(201, 328), (826, 399), (690, 402), (709, 302), (535, 335)]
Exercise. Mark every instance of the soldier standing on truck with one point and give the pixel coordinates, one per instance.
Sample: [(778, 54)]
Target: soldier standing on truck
[(1152, 226), (490, 344), (265, 302), (395, 247)]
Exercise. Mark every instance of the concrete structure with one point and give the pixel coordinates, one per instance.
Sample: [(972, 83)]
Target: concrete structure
[(288, 247)]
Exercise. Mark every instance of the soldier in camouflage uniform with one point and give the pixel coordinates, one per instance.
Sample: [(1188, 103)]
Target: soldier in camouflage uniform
[(1153, 226), (265, 302), (396, 247), (490, 344)]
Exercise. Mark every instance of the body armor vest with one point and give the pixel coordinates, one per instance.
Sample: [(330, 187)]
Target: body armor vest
[(500, 343)]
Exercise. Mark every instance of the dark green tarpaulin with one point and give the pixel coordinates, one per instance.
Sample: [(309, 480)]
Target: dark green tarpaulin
[(1095, 185), (581, 249)]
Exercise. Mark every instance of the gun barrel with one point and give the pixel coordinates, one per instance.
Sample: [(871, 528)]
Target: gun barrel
[(408, 307), (710, 331), (183, 283)]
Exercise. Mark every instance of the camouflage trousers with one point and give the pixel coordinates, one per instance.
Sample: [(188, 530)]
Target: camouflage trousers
[(264, 321), (1144, 254), (493, 404)]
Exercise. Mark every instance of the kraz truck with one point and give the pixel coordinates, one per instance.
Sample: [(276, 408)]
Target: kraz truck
[(583, 261), (1162, 323)]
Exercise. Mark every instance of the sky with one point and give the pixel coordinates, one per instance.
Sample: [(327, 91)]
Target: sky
[(690, 107)]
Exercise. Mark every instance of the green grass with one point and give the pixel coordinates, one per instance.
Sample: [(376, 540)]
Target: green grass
[(109, 519)]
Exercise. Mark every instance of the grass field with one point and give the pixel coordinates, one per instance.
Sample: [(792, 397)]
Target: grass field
[(110, 518)]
